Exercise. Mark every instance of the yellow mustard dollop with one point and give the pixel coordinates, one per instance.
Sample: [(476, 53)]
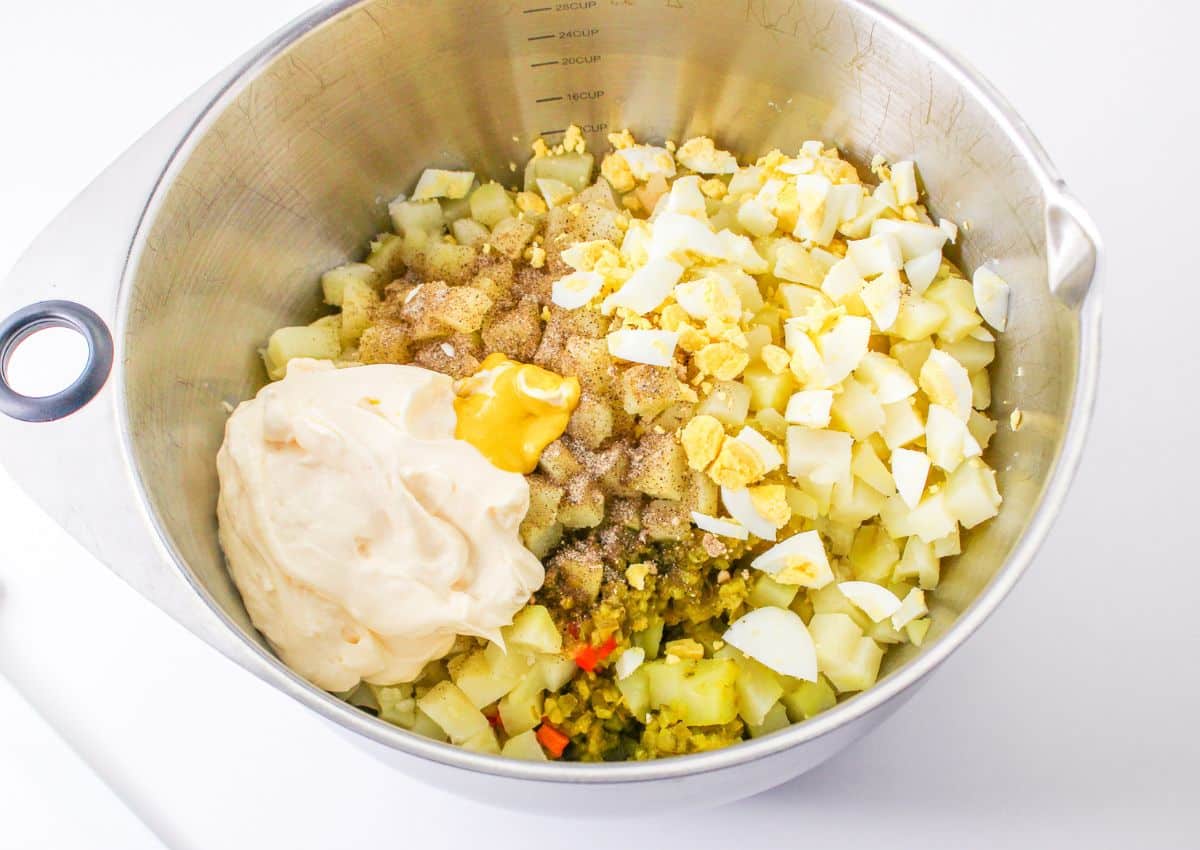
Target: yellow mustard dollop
[(511, 411)]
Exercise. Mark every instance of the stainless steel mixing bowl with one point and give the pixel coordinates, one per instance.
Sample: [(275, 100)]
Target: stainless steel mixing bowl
[(213, 229)]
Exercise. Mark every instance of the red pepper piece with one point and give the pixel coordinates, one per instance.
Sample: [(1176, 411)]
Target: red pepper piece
[(589, 657), (551, 739)]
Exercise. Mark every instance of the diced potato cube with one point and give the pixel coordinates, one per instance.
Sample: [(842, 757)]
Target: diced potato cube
[(524, 746), (758, 690), (971, 493), (510, 236), (485, 677), (516, 332), (555, 671), (359, 300), (702, 692), (918, 319), (559, 463), (650, 638), (333, 282), (768, 390), (911, 355), (658, 467), (396, 704), (957, 298), (774, 720), (574, 169), (385, 257), (729, 402), (974, 354), (874, 554), (422, 216), (451, 709), (635, 689), (648, 390), (768, 592), (483, 742), (490, 205), (582, 509), (856, 410), (385, 342), (856, 503), (592, 422), (664, 519), (919, 562), (521, 709), (809, 699), (425, 725), (533, 630), (541, 539), (467, 231), (318, 341)]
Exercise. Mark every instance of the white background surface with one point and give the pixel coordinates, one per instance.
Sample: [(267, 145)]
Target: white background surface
[(1069, 721)]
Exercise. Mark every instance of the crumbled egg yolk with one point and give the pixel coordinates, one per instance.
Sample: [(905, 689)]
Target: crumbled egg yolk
[(511, 411)]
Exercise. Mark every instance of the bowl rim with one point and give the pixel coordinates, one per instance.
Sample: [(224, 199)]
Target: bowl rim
[(1065, 465)]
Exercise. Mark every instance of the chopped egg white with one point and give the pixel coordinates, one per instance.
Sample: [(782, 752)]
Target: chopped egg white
[(776, 638), (762, 447), (910, 470), (801, 559), (438, 183), (822, 456), (740, 506), (875, 254), (576, 289), (882, 299), (722, 527), (876, 601), (921, 270), (991, 297), (654, 348), (628, 661), (809, 408), (946, 382), (647, 288), (646, 161), (912, 607)]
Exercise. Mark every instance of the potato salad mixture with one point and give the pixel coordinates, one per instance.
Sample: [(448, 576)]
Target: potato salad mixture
[(746, 402)]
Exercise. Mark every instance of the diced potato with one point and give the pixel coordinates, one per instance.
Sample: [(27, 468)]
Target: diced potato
[(855, 504), (971, 493), (450, 709), (533, 630), (541, 539), (844, 655), (425, 725), (510, 236), (912, 355), (650, 638), (486, 675), (702, 494), (592, 422), (874, 554), (396, 704), (855, 409), (320, 340), (919, 562), (385, 257), (774, 720), (555, 671), (490, 205), (981, 392), (452, 263), (635, 688), (809, 699), (768, 390), (334, 281), (647, 391), (559, 463), (574, 169), (467, 231), (659, 467), (483, 742), (974, 354), (521, 709), (416, 216), (729, 402), (865, 464), (524, 746), (956, 297), (768, 592), (702, 692), (665, 519), (544, 499), (919, 318), (359, 301), (758, 690), (583, 508), (385, 342)]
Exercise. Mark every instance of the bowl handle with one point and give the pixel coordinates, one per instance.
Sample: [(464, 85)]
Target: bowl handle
[(67, 451), (1073, 248)]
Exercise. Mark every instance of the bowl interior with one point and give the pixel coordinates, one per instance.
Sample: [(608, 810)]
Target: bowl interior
[(291, 171)]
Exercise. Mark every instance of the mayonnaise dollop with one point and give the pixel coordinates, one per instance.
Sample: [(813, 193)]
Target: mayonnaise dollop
[(362, 535)]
